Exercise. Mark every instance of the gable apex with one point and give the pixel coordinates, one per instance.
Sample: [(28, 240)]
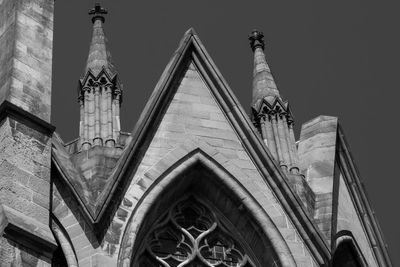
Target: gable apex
[(191, 51)]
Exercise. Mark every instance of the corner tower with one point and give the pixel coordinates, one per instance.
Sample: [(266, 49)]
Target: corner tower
[(26, 49), (100, 92), (270, 114)]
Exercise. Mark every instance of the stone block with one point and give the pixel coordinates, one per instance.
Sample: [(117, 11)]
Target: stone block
[(27, 231), (296, 248), (74, 230), (26, 43), (69, 220)]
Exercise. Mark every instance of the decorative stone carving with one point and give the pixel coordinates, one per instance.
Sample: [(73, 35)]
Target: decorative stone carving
[(190, 234)]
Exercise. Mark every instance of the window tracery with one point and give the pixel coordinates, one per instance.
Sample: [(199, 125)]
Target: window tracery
[(190, 234)]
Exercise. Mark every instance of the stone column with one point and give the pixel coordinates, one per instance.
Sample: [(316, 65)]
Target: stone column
[(276, 138), (263, 130), (97, 139), (116, 122), (104, 116), (82, 118), (288, 141), (86, 143), (110, 140), (270, 136), (91, 116), (283, 143), (295, 158)]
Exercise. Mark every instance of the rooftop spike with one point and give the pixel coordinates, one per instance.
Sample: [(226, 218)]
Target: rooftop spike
[(271, 115), (264, 86), (99, 57), (100, 92)]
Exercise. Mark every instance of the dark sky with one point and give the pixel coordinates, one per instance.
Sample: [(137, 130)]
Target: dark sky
[(338, 58)]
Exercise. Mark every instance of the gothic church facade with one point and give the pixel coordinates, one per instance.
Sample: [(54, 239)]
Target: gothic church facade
[(196, 183)]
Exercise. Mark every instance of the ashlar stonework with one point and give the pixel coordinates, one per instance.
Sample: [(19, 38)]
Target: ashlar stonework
[(196, 183)]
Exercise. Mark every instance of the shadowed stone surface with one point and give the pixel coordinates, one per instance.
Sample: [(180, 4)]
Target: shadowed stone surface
[(26, 37), (317, 148), (348, 219), (26, 41)]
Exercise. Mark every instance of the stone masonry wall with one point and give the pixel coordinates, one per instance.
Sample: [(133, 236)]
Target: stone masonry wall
[(194, 116), (26, 34), (25, 181), (12, 254), (26, 40), (347, 218), (317, 148), (193, 119)]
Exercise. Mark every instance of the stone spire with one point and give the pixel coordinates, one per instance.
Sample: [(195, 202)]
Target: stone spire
[(264, 86), (99, 56), (100, 92), (271, 115)]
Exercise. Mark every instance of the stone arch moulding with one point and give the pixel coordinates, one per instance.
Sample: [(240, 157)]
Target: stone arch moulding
[(65, 243), (213, 183), (344, 240)]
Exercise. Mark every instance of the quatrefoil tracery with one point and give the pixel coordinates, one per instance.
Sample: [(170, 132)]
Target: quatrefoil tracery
[(191, 235)]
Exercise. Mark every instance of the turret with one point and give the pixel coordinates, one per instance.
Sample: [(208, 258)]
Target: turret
[(271, 115), (99, 90)]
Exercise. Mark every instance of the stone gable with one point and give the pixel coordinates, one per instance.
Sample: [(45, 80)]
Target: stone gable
[(193, 120)]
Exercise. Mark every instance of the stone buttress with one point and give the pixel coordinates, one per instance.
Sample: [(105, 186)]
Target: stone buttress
[(90, 159), (26, 47)]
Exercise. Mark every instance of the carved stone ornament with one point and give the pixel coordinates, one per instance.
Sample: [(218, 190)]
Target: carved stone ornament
[(190, 234)]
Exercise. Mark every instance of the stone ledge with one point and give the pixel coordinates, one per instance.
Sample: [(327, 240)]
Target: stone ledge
[(26, 231), (8, 109)]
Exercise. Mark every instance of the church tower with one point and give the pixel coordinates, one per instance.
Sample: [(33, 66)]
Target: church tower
[(100, 92)]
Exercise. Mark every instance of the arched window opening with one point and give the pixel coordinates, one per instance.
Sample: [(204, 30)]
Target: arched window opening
[(199, 215), (346, 256), (191, 234)]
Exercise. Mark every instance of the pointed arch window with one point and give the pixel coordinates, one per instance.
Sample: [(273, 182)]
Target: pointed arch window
[(192, 234), (199, 215)]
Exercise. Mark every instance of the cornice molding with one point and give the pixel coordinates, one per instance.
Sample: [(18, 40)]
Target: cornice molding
[(27, 231), (8, 109)]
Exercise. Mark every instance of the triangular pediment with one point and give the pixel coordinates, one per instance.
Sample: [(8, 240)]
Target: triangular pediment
[(191, 84)]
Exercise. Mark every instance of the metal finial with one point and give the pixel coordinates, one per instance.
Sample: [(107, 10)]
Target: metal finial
[(256, 39), (98, 11)]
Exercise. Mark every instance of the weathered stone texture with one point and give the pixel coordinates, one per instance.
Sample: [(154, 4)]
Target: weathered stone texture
[(12, 254), (192, 120), (96, 165), (26, 36), (348, 220), (78, 230), (194, 146), (25, 170), (317, 148), (25, 180)]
